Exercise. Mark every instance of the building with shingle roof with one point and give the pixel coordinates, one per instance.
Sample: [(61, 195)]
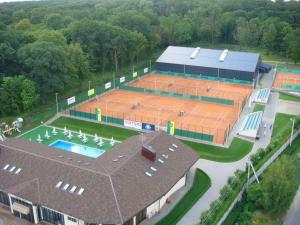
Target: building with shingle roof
[(126, 185)]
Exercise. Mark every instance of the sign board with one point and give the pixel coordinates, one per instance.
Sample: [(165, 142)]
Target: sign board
[(148, 126), (134, 74), (122, 79), (133, 124), (108, 85), (71, 100), (146, 70), (91, 92), (171, 128)]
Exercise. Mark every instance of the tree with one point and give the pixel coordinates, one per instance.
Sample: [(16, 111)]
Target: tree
[(269, 38), (28, 95), (79, 61), (54, 21), (47, 65), (278, 191), (23, 24), (247, 32)]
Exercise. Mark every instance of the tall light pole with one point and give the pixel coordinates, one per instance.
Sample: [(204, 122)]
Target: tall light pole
[(292, 132), (56, 100)]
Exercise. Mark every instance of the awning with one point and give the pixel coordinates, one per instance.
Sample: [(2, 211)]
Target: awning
[(20, 208)]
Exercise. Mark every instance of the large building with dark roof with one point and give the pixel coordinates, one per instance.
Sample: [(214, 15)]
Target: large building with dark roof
[(126, 185), (210, 62)]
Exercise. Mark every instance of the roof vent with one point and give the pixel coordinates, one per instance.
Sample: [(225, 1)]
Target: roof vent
[(148, 174), (149, 152), (195, 52), (223, 55)]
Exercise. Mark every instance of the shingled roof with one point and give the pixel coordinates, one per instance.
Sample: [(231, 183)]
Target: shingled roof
[(115, 185)]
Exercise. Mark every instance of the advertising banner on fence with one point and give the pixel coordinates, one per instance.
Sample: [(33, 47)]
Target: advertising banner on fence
[(98, 114), (108, 85), (122, 79), (71, 100), (148, 126), (133, 124), (146, 70), (91, 92), (171, 127), (134, 74)]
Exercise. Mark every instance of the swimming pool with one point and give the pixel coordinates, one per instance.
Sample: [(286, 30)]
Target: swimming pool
[(79, 149)]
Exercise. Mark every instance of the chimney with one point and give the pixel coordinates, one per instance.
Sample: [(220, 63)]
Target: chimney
[(149, 152)]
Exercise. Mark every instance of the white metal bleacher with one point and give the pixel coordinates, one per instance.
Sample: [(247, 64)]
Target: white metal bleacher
[(250, 125), (262, 95)]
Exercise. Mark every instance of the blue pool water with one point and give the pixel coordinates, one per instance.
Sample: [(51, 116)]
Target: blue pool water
[(79, 149)]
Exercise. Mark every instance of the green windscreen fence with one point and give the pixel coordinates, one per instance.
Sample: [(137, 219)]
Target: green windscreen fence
[(202, 77), (109, 119), (291, 87), (194, 135), (285, 70), (179, 95), (84, 115)]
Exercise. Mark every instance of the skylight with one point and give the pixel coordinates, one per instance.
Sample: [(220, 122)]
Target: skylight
[(66, 186), (148, 174), (6, 166), (171, 149), (223, 55), (161, 161), (175, 146), (153, 168), (80, 191), (73, 189), (12, 169), (195, 52), (58, 184), (165, 156), (18, 171)]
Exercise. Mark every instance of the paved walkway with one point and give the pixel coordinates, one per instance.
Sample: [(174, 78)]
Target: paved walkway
[(288, 107), (293, 215)]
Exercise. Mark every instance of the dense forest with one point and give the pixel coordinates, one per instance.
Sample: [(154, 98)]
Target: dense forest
[(50, 46)]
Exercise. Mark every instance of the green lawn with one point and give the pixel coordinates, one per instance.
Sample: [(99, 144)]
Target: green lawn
[(259, 107), (282, 125), (288, 97), (236, 151), (92, 128), (200, 185), (41, 130)]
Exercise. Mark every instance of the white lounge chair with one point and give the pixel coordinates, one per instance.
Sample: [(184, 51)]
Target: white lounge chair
[(80, 134), (96, 138), (54, 132)]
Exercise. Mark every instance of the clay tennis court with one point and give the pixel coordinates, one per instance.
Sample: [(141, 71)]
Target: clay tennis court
[(196, 116), (286, 78), (237, 93)]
